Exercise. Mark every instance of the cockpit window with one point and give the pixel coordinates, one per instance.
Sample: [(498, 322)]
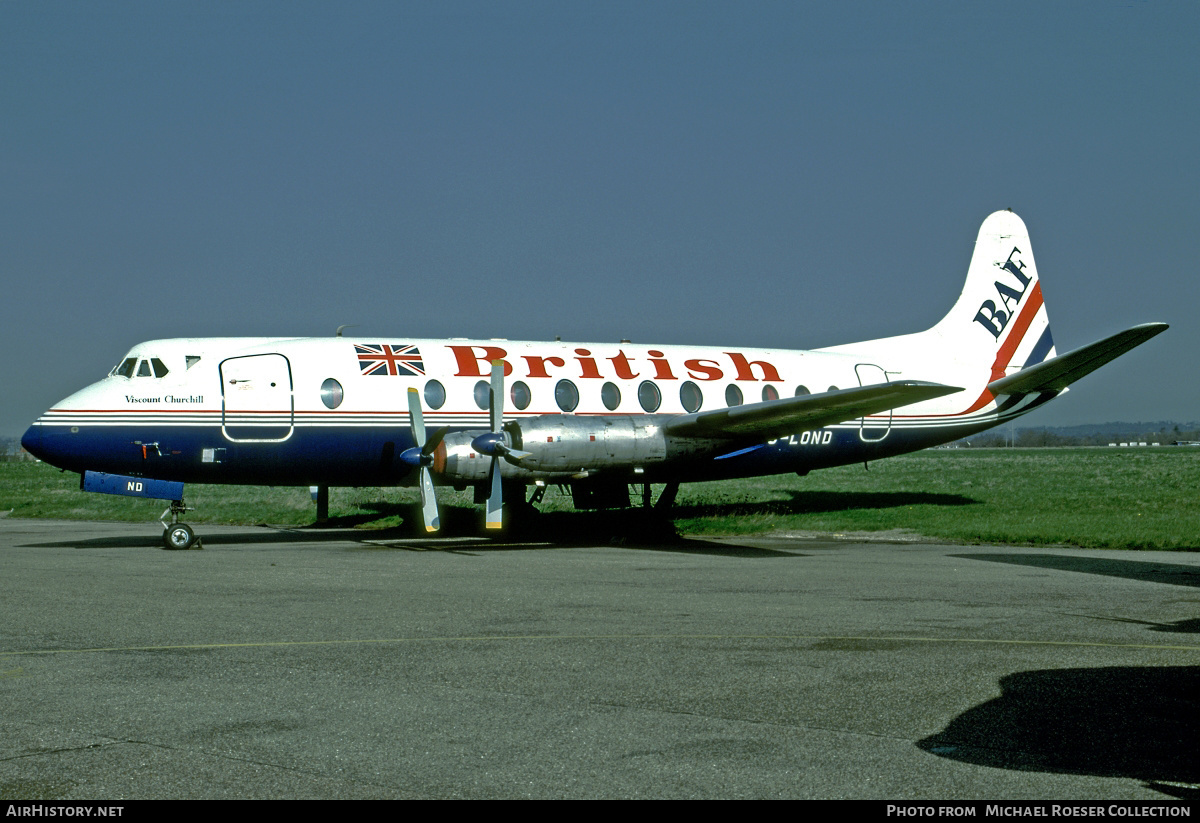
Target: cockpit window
[(192, 359), (126, 367), (150, 367)]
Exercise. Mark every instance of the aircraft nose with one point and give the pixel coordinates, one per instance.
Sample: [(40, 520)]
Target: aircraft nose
[(31, 441), (51, 445)]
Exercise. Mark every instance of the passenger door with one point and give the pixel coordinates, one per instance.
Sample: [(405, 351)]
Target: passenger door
[(256, 398)]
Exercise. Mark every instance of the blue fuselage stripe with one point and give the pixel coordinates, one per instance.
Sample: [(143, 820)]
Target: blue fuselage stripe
[(367, 456)]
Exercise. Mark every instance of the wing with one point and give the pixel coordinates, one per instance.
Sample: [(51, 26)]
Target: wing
[(1059, 372), (776, 418)]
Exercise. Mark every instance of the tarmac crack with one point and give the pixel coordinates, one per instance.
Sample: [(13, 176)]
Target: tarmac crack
[(62, 750)]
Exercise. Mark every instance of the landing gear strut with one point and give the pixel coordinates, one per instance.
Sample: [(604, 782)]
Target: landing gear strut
[(178, 535)]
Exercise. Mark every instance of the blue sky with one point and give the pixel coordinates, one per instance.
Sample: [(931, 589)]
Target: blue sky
[(790, 175)]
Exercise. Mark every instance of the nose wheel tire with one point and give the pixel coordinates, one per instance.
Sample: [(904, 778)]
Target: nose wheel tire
[(178, 536)]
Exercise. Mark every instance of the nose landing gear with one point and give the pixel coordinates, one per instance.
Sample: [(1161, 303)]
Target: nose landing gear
[(177, 535)]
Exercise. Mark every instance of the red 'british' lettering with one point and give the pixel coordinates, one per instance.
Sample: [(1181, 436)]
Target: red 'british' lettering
[(537, 364), (476, 361), (621, 364), (744, 372), (662, 369), (587, 365), (704, 369), (471, 364)]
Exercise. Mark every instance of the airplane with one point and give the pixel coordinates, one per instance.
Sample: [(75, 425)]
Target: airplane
[(594, 418)]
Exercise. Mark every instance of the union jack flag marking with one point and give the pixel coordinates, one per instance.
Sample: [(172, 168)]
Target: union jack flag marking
[(383, 358)]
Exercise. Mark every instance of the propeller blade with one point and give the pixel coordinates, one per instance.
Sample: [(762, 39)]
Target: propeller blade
[(495, 503), (514, 456), (429, 507), (415, 418), (497, 395), (435, 441)]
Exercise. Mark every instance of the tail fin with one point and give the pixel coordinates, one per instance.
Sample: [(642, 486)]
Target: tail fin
[(997, 326), (999, 318), (996, 338)]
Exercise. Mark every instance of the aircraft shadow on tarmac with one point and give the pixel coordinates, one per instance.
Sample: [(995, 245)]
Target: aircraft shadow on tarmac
[(646, 528), (576, 525), (1132, 722), (251, 535), (461, 534), (1172, 573)]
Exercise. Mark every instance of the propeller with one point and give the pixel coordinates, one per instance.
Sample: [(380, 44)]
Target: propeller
[(495, 445), (422, 458)]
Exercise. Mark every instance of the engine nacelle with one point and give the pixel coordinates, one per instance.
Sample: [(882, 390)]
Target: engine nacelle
[(560, 447)]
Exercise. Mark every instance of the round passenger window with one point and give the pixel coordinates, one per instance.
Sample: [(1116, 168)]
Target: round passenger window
[(435, 394), (566, 395), (331, 393), (610, 395), (733, 396), (521, 396), (769, 393), (690, 396), (483, 395), (649, 396), (802, 390)]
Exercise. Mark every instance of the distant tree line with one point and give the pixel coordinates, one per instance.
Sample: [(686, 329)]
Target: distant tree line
[(1101, 434)]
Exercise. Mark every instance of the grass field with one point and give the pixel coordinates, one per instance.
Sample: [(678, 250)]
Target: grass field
[(1104, 498)]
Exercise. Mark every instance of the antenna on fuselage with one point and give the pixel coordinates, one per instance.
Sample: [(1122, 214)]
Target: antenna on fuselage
[(346, 326)]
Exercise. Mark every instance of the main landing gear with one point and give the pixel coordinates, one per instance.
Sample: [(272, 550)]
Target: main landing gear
[(178, 535)]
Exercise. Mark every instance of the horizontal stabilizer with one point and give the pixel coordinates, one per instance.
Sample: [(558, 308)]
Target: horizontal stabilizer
[(792, 415), (1059, 372)]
